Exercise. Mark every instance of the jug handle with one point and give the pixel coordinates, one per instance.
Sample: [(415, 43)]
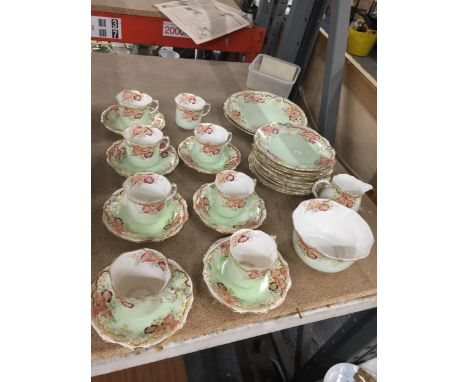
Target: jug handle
[(319, 185)]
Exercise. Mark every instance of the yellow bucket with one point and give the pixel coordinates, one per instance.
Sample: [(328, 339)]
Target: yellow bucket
[(360, 43)]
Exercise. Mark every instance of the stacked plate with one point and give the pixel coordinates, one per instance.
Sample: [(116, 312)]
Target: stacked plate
[(248, 110), (290, 159)]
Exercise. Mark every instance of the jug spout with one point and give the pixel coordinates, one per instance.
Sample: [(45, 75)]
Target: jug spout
[(349, 183)]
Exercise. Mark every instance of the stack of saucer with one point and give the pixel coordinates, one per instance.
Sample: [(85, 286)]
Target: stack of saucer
[(290, 159)]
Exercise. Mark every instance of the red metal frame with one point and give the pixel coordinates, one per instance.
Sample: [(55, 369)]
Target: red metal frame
[(149, 31)]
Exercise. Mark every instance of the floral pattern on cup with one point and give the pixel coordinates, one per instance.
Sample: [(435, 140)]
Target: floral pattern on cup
[(142, 151), (210, 149), (99, 301), (124, 302), (131, 95), (139, 178), (240, 238), (141, 130), (315, 206), (167, 325), (190, 115), (152, 208), (254, 274), (225, 177), (187, 98), (204, 129), (152, 257)]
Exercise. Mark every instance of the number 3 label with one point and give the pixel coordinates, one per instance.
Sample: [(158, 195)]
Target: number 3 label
[(172, 30)]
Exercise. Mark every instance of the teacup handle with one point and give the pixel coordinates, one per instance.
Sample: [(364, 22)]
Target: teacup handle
[(173, 191), (154, 109), (164, 143), (319, 185), (207, 111), (229, 139)]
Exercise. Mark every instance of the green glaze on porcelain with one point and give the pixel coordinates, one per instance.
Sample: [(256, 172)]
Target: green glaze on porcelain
[(118, 160), (116, 323), (228, 161), (204, 204), (117, 118), (315, 259), (117, 219), (299, 148), (268, 293), (251, 109)]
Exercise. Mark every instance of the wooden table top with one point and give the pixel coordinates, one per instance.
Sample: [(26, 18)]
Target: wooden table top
[(214, 81)]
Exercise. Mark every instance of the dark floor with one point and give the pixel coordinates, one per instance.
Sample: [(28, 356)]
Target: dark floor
[(255, 359)]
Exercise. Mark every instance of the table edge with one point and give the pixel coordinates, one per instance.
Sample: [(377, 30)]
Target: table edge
[(177, 348)]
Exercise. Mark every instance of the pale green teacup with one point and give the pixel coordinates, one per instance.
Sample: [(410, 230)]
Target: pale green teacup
[(146, 195), (144, 144), (211, 142), (232, 192), (135, 106), (252, 254)]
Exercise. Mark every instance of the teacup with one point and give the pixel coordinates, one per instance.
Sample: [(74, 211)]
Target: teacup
[(144, 144), (328, 236), (231, 193), (343, 188), (135, 105), (252, 254), (190, 108), (211, 141), (146, 195), (139, 278)]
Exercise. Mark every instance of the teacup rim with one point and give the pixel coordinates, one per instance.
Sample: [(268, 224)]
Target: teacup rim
[(166, 271), (141, 144), (133, 106), (245, 268), (138, 201), (188, 107)]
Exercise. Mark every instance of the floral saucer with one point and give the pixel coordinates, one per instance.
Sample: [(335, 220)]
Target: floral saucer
[(111, 119), (230, 162), (115, 217), (243, 300), (117, 324), (117, 159), (252, 218)]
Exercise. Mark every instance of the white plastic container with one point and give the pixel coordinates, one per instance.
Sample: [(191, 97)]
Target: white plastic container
[(259, 80)]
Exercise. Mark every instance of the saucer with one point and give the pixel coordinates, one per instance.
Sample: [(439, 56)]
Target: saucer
[(229, 163), (118, 160), (111, 119), (238, 299), (252, 217), (115, 218), (116, 323)]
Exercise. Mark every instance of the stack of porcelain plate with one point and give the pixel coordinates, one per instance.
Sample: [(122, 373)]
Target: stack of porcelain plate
[(290, 159)]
